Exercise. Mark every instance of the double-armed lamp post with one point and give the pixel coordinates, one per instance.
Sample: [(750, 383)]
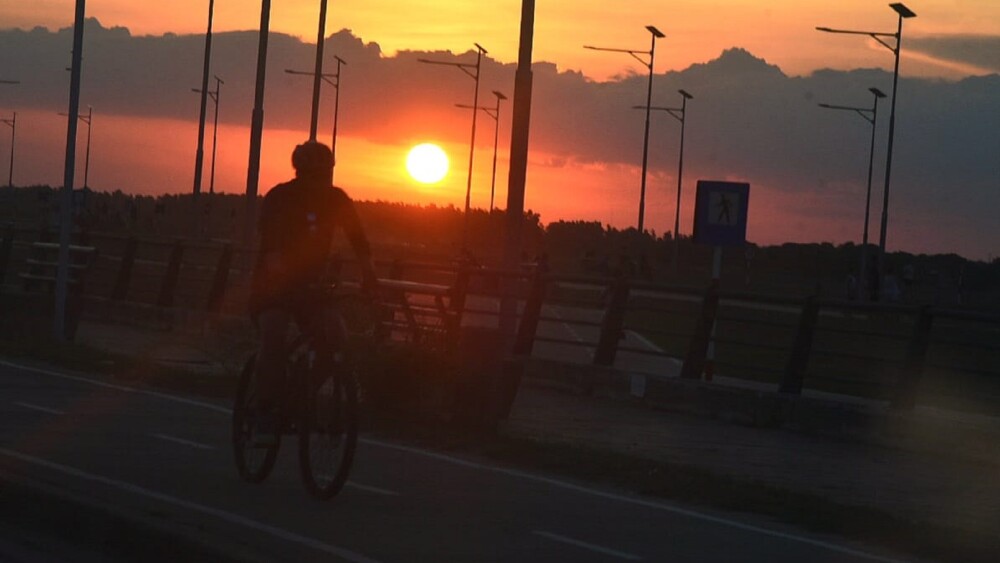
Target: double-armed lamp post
[(12, 122), (493, 112), (214, 95), (333, 79), (473, 71), (89, 120), (638, 55), (904, 13), (680, 114), (870, 115)]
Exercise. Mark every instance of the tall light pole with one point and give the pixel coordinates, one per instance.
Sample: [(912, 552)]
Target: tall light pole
[(870, 115), (333, 79), (656, 34), (13, 130), (88, 119), (256, 126), (473, 70), (199, 155), (318, 73), (493, 112), (680, 114), (215, 128), (903, 13)]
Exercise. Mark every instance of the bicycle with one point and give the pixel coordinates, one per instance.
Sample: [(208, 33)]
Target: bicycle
[(320, 408)]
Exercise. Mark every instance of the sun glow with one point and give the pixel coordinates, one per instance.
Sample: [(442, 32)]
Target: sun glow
[(427, 163)]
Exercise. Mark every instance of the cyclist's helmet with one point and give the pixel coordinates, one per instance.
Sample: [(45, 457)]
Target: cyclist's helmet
[(312, 158)]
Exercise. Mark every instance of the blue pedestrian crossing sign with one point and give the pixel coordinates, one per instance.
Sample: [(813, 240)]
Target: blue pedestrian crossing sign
[(720, 213)]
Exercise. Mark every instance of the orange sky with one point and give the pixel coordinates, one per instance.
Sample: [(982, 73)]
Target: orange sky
[(780, 31)]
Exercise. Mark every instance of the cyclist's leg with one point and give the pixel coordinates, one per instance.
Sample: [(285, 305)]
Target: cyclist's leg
[(273, 324)]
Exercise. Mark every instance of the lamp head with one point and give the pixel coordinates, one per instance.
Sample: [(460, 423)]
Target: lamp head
[(902, 10), (656, 32), (499, 95), (685, 94), (878, 93)]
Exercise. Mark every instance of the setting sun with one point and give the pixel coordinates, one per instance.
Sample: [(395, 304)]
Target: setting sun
[(427, 163)]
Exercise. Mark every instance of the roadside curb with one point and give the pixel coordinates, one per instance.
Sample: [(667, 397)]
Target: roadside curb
[(883, 427)]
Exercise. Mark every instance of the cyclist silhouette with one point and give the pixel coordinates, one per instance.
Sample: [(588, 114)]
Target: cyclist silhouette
[(298, 220)]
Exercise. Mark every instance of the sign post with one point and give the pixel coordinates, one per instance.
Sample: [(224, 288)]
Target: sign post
[(720, 219)]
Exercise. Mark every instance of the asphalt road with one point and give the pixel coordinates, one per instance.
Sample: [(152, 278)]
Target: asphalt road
[(167, 459)]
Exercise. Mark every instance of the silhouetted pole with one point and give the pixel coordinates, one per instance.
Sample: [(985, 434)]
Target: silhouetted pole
[(256, 128), (464, 67), (496, 144), (13, 135), (656, 34), (493, 112), (66, 208), (517, 172), (903, 13), (863, 271), (215, 132), (89, 120), (318, 73), (199, 155), (336, 112)]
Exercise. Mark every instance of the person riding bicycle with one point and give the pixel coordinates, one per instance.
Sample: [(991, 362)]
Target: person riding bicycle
[(298, 220)]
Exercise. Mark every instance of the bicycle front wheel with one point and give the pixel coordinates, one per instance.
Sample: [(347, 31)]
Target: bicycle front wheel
[(253, 461), (328, 432)]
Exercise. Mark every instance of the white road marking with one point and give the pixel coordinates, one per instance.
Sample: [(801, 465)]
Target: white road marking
[(39, 408), (588, 546), (279, 533), (572, 331), (371, 489), (183, 442), (520, 474), (89, 381)]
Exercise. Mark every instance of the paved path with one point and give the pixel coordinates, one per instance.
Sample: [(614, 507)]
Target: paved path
[(168, 456)]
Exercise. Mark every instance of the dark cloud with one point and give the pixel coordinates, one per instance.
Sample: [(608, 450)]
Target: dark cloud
[(747, 119), (982, 51)]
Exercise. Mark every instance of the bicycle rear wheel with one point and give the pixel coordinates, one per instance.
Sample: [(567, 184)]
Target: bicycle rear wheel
[(328, 432), (253, 462)]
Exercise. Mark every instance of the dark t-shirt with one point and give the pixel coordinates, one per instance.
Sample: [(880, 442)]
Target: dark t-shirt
[(298, 220)]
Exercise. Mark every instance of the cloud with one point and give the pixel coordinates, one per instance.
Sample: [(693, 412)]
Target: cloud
[(747, 120), (981, 51)]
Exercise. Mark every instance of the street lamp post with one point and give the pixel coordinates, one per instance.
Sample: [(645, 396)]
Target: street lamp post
[(903, 13), (680, 114), (199, 155), (493, 112), (215, 128), (656, 34), (13, 130), (473, 70), (333, 79), (870, 115), (88, 119), (318, 73)]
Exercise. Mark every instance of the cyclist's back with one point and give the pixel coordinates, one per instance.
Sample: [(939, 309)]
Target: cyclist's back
[(297, 223)]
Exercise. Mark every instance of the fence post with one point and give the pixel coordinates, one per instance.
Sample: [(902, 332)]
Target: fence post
[(798, 358), (459, 291), (611, 325), (220, 279), (166, 298), (912, 372), (694, 361), (6, 244), (524, 342), (125, 272)]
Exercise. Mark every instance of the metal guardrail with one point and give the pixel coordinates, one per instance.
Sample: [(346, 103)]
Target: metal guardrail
[(809, 342)]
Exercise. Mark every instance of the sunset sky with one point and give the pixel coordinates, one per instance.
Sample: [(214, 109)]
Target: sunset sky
[(579, 149)]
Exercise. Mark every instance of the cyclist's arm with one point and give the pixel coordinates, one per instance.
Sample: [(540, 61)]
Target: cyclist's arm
[(359, 241)]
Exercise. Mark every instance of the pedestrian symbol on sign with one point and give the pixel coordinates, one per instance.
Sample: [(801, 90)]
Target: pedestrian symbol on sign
[(723, 209)]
